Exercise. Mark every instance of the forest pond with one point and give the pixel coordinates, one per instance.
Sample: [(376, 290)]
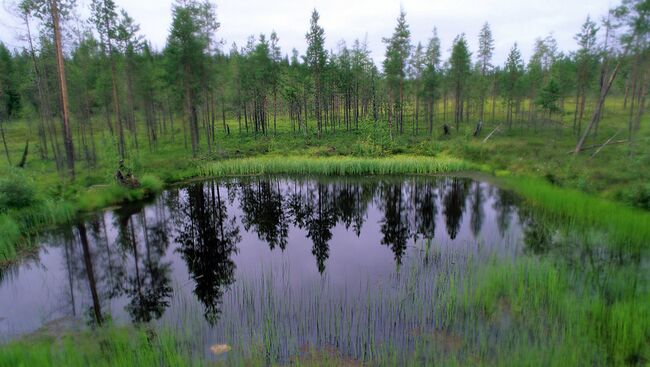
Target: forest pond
[(290, 262)]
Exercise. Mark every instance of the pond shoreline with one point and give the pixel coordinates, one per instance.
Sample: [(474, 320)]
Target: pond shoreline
[(106, 196), (527, 276)]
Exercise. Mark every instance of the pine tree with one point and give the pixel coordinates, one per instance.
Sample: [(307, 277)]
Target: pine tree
[(104, 17), (186, 49), (316, 59), (460, 63), (512, 74), (397, 53), (431, 77), (484, 65)]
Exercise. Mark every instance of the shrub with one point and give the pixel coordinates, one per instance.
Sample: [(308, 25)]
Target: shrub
[(151, 183), (16, 192), (639, 196)]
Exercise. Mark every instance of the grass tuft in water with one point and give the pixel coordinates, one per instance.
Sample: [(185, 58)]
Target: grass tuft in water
[(340, 166)]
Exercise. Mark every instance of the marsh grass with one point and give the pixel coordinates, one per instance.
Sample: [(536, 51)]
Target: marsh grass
[(338, 166), (106, 346), (445, 306), (624, 226)]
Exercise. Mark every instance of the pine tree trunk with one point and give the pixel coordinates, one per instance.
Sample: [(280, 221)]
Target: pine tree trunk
[(67, 134)]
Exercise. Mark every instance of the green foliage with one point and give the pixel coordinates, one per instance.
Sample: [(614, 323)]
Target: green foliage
[(151, 183), (549, 97), (16, 192), (638, 196), (10, 102)]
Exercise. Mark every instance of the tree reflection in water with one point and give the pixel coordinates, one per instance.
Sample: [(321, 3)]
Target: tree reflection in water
[(208, 238), (129, 257)]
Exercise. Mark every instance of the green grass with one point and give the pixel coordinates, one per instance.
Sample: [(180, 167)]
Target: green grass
[(336, 166), (10, 237), (623, 225), (107, 346), (556, 317)]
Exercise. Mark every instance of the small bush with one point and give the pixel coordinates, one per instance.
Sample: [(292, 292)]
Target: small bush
[(151, 183), (639, 196), (16, 192)]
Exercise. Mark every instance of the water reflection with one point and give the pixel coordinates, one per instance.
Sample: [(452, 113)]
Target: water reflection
[(202, 238), (208, 238)]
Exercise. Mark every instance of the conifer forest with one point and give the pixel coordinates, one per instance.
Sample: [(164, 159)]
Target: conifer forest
[(394, 199)]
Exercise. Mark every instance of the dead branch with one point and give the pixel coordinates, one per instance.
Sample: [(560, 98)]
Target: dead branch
[(602, 146), (490, 134), (589, 147)]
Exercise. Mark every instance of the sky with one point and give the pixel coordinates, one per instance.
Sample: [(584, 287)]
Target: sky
[(520, 21)]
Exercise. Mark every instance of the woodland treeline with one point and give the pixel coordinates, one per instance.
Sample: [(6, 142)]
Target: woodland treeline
[(78, 79)]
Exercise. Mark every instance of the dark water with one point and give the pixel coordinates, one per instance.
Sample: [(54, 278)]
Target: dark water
[(233, 260)]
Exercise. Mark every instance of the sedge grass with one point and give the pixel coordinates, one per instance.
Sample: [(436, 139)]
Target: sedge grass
[(624, 225), (338, 166), (454, 309)]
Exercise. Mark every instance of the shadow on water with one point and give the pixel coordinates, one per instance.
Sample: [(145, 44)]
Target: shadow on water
[(210, 247)]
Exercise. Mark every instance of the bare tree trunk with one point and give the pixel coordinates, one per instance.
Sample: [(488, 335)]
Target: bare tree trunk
[(601, 100), (67, 134), (4, 142)]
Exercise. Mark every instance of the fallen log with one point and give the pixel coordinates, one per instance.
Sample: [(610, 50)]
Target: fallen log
[(490, 134), (598, 145), (604, 144)]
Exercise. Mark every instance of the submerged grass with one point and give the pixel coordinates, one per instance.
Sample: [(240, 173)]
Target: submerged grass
[(556, 318), (624, 226), (444, 307)]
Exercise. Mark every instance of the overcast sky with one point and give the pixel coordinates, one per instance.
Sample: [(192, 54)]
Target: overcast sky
[(512, 21)]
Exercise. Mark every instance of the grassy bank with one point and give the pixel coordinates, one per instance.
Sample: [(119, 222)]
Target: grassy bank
[(19, 224)]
